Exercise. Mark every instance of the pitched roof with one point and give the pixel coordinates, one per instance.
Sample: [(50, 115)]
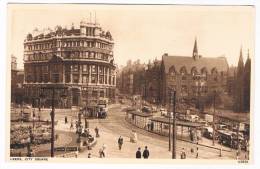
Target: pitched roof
[(220, 63)]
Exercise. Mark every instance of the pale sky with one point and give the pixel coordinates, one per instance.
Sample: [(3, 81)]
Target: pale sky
[(146, 32)]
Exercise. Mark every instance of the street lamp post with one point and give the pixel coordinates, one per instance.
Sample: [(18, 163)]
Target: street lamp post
[(169, 115), (214, 113), (52, 114), (174, 132)]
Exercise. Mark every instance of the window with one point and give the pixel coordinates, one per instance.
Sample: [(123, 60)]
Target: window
[(102, 94), (184, 90), (101, 70), (84, 79), (46, 78), (101, 79), (93, 78), (55, 77), (84, 54), (75, 78), (183, 73), (85, 68), (75, 68), (67, 78), (93, 69), (94, 93)]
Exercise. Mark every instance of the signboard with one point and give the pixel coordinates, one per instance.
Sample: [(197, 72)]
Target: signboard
[(66, 149), (241, 126), (208, 118)]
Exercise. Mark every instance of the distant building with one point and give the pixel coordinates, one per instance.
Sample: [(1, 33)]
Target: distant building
[(153, 83), (132, 78), (17, 79), (80, 59), (192, 77)]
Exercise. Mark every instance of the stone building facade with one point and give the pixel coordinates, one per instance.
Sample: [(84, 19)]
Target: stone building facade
[(80, 59)]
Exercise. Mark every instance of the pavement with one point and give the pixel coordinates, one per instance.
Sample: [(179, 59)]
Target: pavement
[(115, 125)]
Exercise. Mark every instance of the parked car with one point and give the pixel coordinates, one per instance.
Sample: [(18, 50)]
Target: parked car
[(208, 132), (146, 109), (163, 112)]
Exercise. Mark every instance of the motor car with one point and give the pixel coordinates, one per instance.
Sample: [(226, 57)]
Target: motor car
[(163, 112), (146, 109), (207, 132)]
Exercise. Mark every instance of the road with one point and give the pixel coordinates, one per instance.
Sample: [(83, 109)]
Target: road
[(115, 125)]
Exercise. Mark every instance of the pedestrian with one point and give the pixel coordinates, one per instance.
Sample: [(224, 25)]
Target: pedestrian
[(183, 154), (197, 155), (102, 151), (138, 153), (89, 155), (97, 131), (66, 120), (146, 153), (120, 142), (71, 125), (220, 150)]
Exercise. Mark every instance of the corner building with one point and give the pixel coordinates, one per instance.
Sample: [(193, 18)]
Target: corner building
[(80, 59)]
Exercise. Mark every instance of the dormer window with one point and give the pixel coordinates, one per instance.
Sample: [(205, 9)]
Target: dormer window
[(183, 73), (172, 71), (194, 73)]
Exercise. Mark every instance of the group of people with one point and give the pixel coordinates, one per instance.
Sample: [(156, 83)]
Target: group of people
[(145, 154)]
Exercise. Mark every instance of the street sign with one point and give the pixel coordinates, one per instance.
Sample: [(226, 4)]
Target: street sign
[(66, 149)]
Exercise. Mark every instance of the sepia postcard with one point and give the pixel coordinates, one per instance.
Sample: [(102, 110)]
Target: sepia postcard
[(114, 83)]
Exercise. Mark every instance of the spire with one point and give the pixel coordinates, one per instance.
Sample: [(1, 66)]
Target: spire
[(240, 61), (248, 54), (240, 66), (195, 54)]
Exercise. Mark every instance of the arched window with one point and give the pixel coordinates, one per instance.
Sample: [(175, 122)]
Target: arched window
[(183, 73), (204, 73), (194, 72), (172, 71), (214, 74)]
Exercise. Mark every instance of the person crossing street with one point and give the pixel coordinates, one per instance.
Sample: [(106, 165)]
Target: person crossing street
[(146, 153), (120, 142)]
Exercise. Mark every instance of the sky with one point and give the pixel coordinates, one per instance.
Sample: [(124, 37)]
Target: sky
[(145, 32)]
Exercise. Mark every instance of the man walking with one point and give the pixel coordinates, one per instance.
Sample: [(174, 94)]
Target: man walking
[(120, 142), (146, 153), (138, 153), (97, 131)]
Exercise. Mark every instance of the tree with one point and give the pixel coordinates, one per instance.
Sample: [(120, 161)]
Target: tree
[(247, 77)]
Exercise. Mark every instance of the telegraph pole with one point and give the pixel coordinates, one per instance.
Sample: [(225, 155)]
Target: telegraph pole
[(174, 131), (52, 123), (214, 105), (52, 114), (169, 114)]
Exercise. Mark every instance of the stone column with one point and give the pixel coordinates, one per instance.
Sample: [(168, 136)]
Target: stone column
[(89, 74), (80, 73), (107, 76), (63, 73), (97, 74), (70, 73)]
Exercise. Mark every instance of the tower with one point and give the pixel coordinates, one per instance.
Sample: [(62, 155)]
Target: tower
[(195, 54), (239, 96)]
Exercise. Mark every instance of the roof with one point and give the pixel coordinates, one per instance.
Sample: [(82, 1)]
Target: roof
[(179, 123), (141, 114), (220, 63)]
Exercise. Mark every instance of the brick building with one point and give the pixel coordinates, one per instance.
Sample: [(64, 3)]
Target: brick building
[(192, 77)]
